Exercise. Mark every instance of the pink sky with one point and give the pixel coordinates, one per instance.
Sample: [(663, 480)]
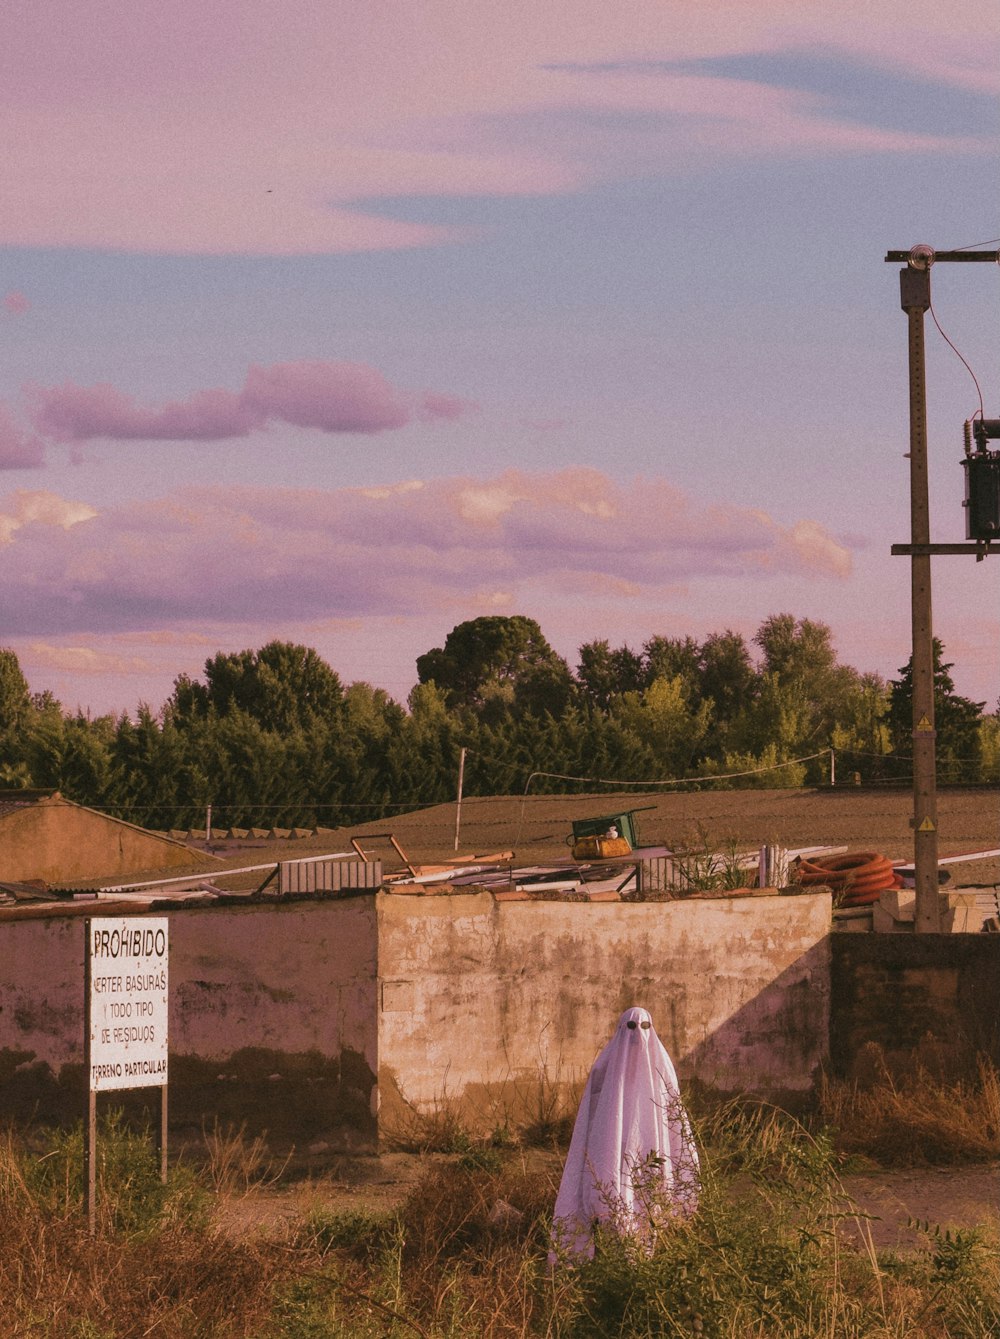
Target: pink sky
[(345, 322)]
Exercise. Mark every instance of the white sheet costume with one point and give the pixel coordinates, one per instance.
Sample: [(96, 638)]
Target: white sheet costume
[(632, 1157)]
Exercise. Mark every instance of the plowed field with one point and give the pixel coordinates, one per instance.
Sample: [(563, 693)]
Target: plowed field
[(536, 828)]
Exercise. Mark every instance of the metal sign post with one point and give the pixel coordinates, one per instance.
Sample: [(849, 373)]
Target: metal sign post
[(915, 299), (125, 976)]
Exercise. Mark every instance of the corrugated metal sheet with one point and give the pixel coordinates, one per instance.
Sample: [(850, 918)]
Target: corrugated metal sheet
[(327, 876)]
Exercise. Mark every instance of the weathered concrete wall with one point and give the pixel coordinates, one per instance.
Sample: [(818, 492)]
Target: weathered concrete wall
[(63, 843), (273, 1019), (282, 1015), (930, 998), (500, 1007)]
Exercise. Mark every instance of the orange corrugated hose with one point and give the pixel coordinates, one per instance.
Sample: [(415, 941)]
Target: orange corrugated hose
[(857, 878)]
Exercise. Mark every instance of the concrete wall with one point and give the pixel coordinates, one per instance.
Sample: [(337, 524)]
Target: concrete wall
[(282, 1015), (273, 1020), (919, 998), (64, 843), (501, 1007)]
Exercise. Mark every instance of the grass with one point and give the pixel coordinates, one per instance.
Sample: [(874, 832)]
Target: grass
[(153, 1266), (917, 1119), (707, 864), (776, 1251)]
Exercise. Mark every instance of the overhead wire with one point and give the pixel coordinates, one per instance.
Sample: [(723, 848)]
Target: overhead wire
[(975, 379)]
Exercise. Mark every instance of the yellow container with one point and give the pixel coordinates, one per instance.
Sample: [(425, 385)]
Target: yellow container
[(600, 848)]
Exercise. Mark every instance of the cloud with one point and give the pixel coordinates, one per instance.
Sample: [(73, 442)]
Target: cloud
[(238, 555), (82, 660), (843, 87), (263, 128), (16, 303), (19, 450), (78, 413), (25, 507), (335, 397)]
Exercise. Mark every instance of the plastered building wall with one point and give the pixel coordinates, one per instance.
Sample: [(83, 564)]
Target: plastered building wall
[(62, 842), (306, 1019), (273, 1020), (499, 1008)]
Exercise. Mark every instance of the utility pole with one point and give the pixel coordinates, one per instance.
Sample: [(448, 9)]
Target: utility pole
[(458, 805), (915, 299)]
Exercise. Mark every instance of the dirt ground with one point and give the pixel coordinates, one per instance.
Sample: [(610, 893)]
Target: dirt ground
[(890, 1201), (536, 827)]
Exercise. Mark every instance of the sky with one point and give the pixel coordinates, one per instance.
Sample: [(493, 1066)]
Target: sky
[(343, 321)]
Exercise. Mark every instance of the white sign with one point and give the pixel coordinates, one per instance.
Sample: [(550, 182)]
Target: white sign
[(127, 1009)]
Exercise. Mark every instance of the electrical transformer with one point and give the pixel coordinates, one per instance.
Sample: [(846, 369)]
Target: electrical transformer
[(982, 481)]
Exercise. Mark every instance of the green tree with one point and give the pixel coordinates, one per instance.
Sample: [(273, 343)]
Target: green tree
[(157, 778), (805, 694), (282, 687), (865, 736), (71, 754), (665, 726), (605, 673), (495, 666), (989, 747), (957, 720), (673, 658), (15, 711), (725, 673)]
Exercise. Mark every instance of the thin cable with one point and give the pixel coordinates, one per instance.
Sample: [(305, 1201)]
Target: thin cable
[(679, 780), (982, 412), (973, 245), (674, 781)]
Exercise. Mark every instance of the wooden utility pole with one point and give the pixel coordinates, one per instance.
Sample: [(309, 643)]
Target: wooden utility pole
[(915, 299)]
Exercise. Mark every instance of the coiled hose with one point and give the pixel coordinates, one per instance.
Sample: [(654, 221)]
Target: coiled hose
[(857, 878)]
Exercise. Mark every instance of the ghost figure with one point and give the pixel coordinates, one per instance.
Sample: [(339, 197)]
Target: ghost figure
[(632, 1157)]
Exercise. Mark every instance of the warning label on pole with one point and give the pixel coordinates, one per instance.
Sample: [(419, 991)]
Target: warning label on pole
[(927, 826), (127, 1008)]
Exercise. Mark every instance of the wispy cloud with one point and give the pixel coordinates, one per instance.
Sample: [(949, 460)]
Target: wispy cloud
[(840, 85), (334, 397), (83, 660), (261, 133)]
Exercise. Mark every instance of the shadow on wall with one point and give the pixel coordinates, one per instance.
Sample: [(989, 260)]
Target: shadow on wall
[(922, 999), (293, 1098), (777, 1042)]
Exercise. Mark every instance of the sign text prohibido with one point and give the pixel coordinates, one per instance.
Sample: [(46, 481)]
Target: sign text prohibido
[(125, 1034)]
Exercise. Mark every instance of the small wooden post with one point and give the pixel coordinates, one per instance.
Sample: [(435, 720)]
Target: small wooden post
[(458, 806)]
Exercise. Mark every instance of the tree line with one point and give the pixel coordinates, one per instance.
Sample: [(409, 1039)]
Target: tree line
[(272, 737)]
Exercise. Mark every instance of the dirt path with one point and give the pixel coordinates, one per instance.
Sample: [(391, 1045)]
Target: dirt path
[(955, 1197), (893, 1199)]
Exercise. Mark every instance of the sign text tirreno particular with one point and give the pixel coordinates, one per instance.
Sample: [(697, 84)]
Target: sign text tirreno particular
[(127, 1009)]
